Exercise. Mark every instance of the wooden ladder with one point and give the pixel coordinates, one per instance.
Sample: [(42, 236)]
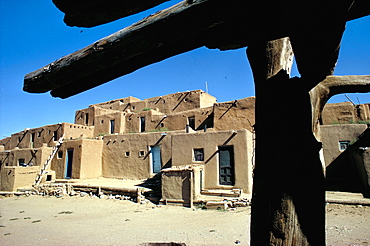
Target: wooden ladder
[(42, 172)]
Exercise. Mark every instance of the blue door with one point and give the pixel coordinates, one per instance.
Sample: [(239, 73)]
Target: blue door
[(156, 158), (68, 168), (226, 165)]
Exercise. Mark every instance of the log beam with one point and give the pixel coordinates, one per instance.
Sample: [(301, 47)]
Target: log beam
[(170, 32), (90, 13)]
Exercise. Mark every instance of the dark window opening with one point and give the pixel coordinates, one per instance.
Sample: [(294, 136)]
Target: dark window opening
[(32, 140), (86, 119), (55, 136), (112, 123), (343, 145), (191, 122), (21, 162), (69, 162), (198, 154), (141, 153), (127, 153), (60, 154), (142, 124), (49, 177)]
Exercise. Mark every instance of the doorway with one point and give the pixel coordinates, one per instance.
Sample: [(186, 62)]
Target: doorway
[(69, 161), (155, 152), (226, 165)]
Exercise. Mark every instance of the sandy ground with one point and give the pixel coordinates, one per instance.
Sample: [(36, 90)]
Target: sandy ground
[(39, 220)]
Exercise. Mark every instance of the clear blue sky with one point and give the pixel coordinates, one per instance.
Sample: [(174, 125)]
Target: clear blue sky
[(33, 35)]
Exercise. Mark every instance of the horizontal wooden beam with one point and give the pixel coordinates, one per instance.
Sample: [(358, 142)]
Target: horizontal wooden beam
[(183, 27), (90, 13)]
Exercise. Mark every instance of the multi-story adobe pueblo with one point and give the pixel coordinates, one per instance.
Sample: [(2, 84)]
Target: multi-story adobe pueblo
[(198, 147)]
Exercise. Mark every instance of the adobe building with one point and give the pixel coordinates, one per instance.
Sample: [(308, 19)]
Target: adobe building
[(197, 147), (346, 151)]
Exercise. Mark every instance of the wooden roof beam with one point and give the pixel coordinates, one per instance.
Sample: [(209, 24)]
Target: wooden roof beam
[(90, 13), (183, 27)]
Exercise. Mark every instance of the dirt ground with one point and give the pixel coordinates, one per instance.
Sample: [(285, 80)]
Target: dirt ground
[(87, 220)]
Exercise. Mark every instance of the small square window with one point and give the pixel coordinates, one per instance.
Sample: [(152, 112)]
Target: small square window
[(22, 163), (127, 154), (141, 153), (343, 145), (198, 154)]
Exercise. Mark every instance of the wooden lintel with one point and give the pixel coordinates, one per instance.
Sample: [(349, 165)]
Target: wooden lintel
[(183, 27), (90, 13)]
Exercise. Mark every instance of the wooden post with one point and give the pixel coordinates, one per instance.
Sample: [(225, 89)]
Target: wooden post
[(288, 193)]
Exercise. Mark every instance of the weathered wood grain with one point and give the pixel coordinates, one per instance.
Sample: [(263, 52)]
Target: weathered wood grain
[(181, 28)]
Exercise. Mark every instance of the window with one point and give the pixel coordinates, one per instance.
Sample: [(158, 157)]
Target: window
[(127, 154), (141, 153), (49, 177), (142, 124), (32, 140), (112, 123), (191, 122), (55, 136), (60, 154), (86, 118), (198, 154), (343, 145), (21, 162)]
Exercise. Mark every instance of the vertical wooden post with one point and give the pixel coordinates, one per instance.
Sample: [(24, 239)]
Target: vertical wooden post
[(288, 190)]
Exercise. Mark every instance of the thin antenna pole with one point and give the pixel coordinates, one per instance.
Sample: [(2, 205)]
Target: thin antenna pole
[(350, 100), (207, 87)]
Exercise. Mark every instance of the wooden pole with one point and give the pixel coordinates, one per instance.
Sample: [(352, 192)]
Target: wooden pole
[(288, 187)]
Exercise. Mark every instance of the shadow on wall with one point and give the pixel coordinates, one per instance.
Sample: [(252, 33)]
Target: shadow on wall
[(349, 171)]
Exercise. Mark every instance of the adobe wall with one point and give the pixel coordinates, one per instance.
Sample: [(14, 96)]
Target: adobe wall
[(331, 135), (133, 121), (87, 159), (13, 178), (75, 131), (103, 123), (33, 157), (125, 100), (366, 158), (184, 144), (234, 115), (339, 113), (6, 143), (181, 101), (86, 117), (178, 121), (91, 158), (122, 157), (49, 134), (181, 184)]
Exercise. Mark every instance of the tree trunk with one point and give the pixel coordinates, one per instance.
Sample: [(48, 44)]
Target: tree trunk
[(288, 193)]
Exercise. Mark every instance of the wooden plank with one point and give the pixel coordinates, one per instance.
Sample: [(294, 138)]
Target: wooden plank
[(167, 33), (90, 13)]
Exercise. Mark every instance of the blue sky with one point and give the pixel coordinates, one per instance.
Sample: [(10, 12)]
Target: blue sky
[(33, 35)]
